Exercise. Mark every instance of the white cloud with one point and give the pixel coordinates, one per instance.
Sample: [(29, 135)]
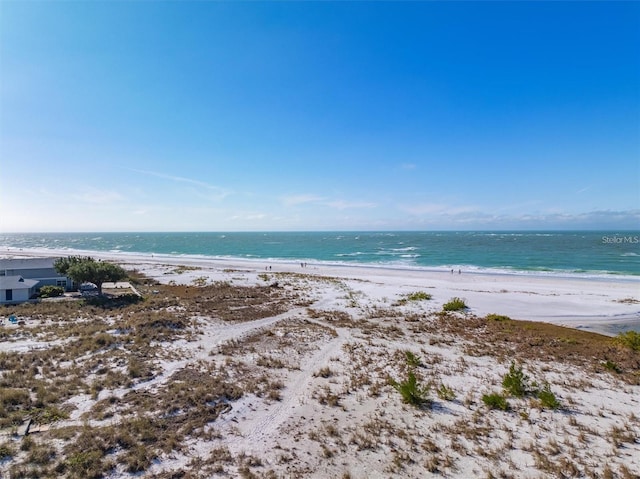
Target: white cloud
[(622, 220), (294, 200), (343, 205), (338, 204), (219, 193), (422, 209), (97, 196)]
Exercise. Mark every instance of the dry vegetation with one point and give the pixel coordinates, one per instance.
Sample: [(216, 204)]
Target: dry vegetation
[(219, 380)]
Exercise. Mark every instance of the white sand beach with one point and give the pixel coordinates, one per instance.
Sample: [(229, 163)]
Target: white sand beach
[(607, 306), (328, 359)]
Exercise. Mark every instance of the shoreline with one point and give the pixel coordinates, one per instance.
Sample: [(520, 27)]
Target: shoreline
[(602, 305), (7, 252)]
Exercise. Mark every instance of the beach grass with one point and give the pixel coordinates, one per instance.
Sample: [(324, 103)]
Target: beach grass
[(222, 379)]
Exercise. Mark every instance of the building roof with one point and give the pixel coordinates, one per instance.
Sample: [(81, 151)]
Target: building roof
[(27, 263), (17, 282)]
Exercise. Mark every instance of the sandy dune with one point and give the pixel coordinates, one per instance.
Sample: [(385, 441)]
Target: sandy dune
[(318, 401)]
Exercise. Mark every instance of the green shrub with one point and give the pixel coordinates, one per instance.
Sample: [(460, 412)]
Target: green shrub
[(515, 382), (108, 302), (86, 465), (611, 366), (495, 401), (630, 339), (48, 415), (412, 359), (419, 296), (455, 304), (50, 291), (411, 392), (446, 393), (497, 317), (547, 398)]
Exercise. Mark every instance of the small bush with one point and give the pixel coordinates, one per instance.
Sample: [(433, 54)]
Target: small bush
[(419, 296), (495, 401), (89, 465), (455, 304), (515, 382), (446, 393), (50, 291), (49, 415), (411, 392), (547, 398), (612, 366), (630, 339), (413, 360), (497, 317)]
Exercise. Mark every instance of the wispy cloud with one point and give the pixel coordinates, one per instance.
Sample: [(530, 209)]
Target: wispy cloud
[(294, 200), (422, 209), (219, 192), (408, 166), (343, 205), (97, 196), (339, 204), (603, 219)]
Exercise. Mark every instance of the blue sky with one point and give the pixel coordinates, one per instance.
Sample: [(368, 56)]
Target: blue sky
[(227, 116)]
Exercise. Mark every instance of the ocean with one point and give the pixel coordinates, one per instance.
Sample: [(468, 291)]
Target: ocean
[(573, 253)]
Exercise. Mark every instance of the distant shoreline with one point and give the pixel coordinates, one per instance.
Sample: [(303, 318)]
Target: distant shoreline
[(462, 268), (605, 305)]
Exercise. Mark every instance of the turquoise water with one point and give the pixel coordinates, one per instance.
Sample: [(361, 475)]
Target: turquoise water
[(589, 253)]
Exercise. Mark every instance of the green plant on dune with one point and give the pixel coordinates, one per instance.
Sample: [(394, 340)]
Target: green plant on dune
[(515, 382), (630, 339), (446, 393), (547, 398), (495, 401), (419, 296), (497, 317), (455, 304), (612, 366), (413, 360), (411, 392)]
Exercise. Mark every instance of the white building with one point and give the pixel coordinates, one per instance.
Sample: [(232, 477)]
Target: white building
[(21, 278), (41, 269), (16, 289)]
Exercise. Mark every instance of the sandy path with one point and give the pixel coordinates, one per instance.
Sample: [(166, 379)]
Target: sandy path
[(262, 433), (216, 335)]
